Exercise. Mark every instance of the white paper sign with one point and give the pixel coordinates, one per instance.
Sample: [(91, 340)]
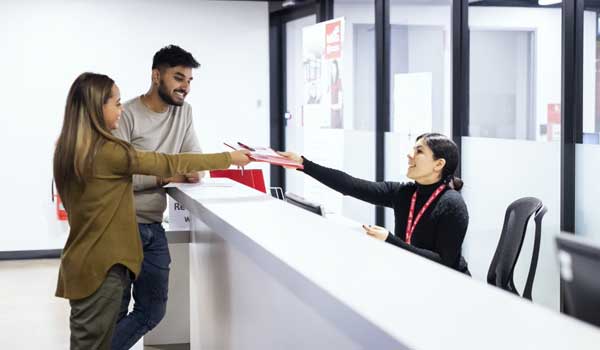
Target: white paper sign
[(179, 217)]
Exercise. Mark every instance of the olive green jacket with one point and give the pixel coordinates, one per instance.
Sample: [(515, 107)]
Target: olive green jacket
[(102, 219)]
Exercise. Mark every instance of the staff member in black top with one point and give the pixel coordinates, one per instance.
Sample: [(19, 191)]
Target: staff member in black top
[(430, 215)]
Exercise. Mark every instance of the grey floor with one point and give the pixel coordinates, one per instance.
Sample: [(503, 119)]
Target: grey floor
[(32, 317)]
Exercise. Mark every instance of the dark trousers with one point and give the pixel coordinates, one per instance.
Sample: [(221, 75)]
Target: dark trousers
[(150, 290), (93, 318)]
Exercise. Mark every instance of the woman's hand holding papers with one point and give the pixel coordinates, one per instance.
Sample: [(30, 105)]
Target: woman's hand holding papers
[(293, 157)]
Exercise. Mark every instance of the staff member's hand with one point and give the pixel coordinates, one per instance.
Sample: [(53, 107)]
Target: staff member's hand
[(376, 231), (240, 157), (293, 157)]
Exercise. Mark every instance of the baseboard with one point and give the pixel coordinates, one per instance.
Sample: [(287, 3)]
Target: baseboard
[(30, 254)]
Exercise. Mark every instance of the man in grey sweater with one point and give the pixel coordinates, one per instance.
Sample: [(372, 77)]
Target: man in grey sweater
[(159, 121)]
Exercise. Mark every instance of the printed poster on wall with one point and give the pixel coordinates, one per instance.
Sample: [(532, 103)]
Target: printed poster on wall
[(322, 61)]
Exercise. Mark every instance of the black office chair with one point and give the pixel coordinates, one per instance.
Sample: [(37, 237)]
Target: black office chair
[(511, 240)]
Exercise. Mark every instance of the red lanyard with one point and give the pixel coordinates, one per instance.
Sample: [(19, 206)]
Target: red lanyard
[(410, 226)]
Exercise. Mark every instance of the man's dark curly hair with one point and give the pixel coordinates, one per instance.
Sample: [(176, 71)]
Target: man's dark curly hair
[(173, 56)]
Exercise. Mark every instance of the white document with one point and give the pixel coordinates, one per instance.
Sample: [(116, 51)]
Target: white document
[(204, 182)]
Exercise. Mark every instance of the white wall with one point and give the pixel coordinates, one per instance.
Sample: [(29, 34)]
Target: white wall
[(46, 44)]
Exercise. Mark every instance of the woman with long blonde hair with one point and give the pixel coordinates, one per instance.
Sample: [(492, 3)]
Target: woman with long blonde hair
[(93, 172)]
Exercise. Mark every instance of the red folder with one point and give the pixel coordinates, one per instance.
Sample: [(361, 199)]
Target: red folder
[(268, 155), (249, 177)]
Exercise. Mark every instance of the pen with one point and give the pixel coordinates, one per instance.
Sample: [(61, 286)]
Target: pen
[(246, 147), (233, 148)]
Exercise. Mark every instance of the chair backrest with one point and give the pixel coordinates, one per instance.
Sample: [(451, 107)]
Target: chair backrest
[(511, 240)]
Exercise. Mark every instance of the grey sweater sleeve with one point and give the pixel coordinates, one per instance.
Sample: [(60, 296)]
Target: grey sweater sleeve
[(124, 131), (190, 140)]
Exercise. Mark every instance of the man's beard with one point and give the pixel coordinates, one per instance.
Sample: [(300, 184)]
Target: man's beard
[(166, 97)]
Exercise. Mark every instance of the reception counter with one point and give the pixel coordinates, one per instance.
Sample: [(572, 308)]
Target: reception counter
[(267, 275)]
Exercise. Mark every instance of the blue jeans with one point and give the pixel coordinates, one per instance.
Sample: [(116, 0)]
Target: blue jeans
[(150, 290)]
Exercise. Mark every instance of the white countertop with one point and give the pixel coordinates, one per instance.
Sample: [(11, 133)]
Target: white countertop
[(417, 303)]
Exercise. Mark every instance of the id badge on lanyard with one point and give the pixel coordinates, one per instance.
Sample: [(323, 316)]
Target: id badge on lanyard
[(410, 225)]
